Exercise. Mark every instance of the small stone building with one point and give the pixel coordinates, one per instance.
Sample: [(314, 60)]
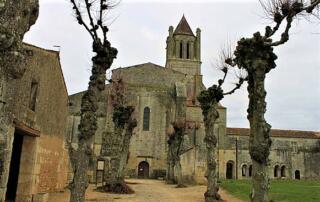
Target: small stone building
[(294, 155), (162, 95), (33, 157)]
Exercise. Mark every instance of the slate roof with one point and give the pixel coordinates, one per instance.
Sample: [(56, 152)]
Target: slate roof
[(183, 27), (277, 133)]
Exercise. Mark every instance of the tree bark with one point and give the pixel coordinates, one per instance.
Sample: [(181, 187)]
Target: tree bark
[(114, 176), (175, 147), (179, 173), (16, 18), (120, 151), (102, 61), (171, 164), (126, 144), (80, 180), (260, 141), (210, 139)]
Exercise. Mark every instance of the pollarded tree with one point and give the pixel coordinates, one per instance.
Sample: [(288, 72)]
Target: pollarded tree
[(175, 149), (16, 18), (256, 56), (209, 101), (90, 14), (119, 142)]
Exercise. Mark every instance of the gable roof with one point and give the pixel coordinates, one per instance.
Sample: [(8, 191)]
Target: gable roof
[(183, 27), (277, 133)]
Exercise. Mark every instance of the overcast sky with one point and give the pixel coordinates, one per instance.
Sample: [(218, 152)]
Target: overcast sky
[(138, 29)]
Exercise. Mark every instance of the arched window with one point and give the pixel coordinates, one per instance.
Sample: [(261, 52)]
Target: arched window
[(283, 171), (229, 170), (276, 171), (244, 170), (188, 51), (181, 49), (146, 119), (250, 170)]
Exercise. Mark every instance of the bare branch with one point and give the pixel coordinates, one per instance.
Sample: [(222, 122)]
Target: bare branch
[(314, 4), (279, 10), (237, 86), (80, 18), (94, 27), (223, 64)]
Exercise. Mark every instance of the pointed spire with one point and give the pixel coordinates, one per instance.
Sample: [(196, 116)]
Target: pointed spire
[(183, 27)]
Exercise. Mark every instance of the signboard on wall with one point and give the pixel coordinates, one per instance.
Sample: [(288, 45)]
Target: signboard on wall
[(100, 166)]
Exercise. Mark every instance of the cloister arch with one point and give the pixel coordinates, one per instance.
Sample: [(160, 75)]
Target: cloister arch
[(230, 170)]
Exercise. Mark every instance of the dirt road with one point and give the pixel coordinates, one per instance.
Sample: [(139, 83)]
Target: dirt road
[(147, 191)]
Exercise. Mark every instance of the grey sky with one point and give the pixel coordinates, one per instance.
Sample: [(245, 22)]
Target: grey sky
[(139, 29)]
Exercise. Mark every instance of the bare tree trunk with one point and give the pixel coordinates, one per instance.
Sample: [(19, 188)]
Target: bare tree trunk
[(88, 122), (124, 125), (16, 18), (126, 144), (114, 177), (260, 142), (179, 173), (210, 139), (175, 149), (170, 169), (80, 170)]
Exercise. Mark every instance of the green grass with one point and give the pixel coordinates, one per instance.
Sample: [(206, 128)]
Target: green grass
[(281, 190)]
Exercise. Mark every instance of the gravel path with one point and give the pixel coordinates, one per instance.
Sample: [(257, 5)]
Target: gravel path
[(147, 191)]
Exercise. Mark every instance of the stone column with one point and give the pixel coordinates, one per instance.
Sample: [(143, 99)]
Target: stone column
[(191, 50), (178, 49), (184, 50)]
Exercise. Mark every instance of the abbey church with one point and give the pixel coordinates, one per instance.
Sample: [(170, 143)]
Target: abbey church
[(164, 94)]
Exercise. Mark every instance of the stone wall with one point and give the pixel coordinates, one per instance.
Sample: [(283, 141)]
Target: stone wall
[(44, 161), (291, 154), (147, 85)]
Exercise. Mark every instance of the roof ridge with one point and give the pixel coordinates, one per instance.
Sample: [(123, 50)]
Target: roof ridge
[(276, 129), (277, 133)]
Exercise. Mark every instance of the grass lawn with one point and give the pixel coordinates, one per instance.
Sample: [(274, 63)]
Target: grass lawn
[(281, 190)]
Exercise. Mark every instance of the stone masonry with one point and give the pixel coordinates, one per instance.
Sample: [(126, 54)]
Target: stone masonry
[(155, 91), (33, 157)]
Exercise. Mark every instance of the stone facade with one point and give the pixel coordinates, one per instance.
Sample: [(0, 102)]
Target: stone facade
[(294, 155), (161, 95), (33, 157)]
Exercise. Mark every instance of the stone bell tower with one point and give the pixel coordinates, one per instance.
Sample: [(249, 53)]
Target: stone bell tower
[(184, 55), (183, 49)]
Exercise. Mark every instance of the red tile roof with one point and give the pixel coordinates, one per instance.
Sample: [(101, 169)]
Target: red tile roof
[(277, 133)]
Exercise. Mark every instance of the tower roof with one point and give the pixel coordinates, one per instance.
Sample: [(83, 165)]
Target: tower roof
[(183, 27)]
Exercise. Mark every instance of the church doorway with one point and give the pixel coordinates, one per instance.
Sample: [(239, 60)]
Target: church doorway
[(297, 175), (143, 170), (229, 171), (12, 184)]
